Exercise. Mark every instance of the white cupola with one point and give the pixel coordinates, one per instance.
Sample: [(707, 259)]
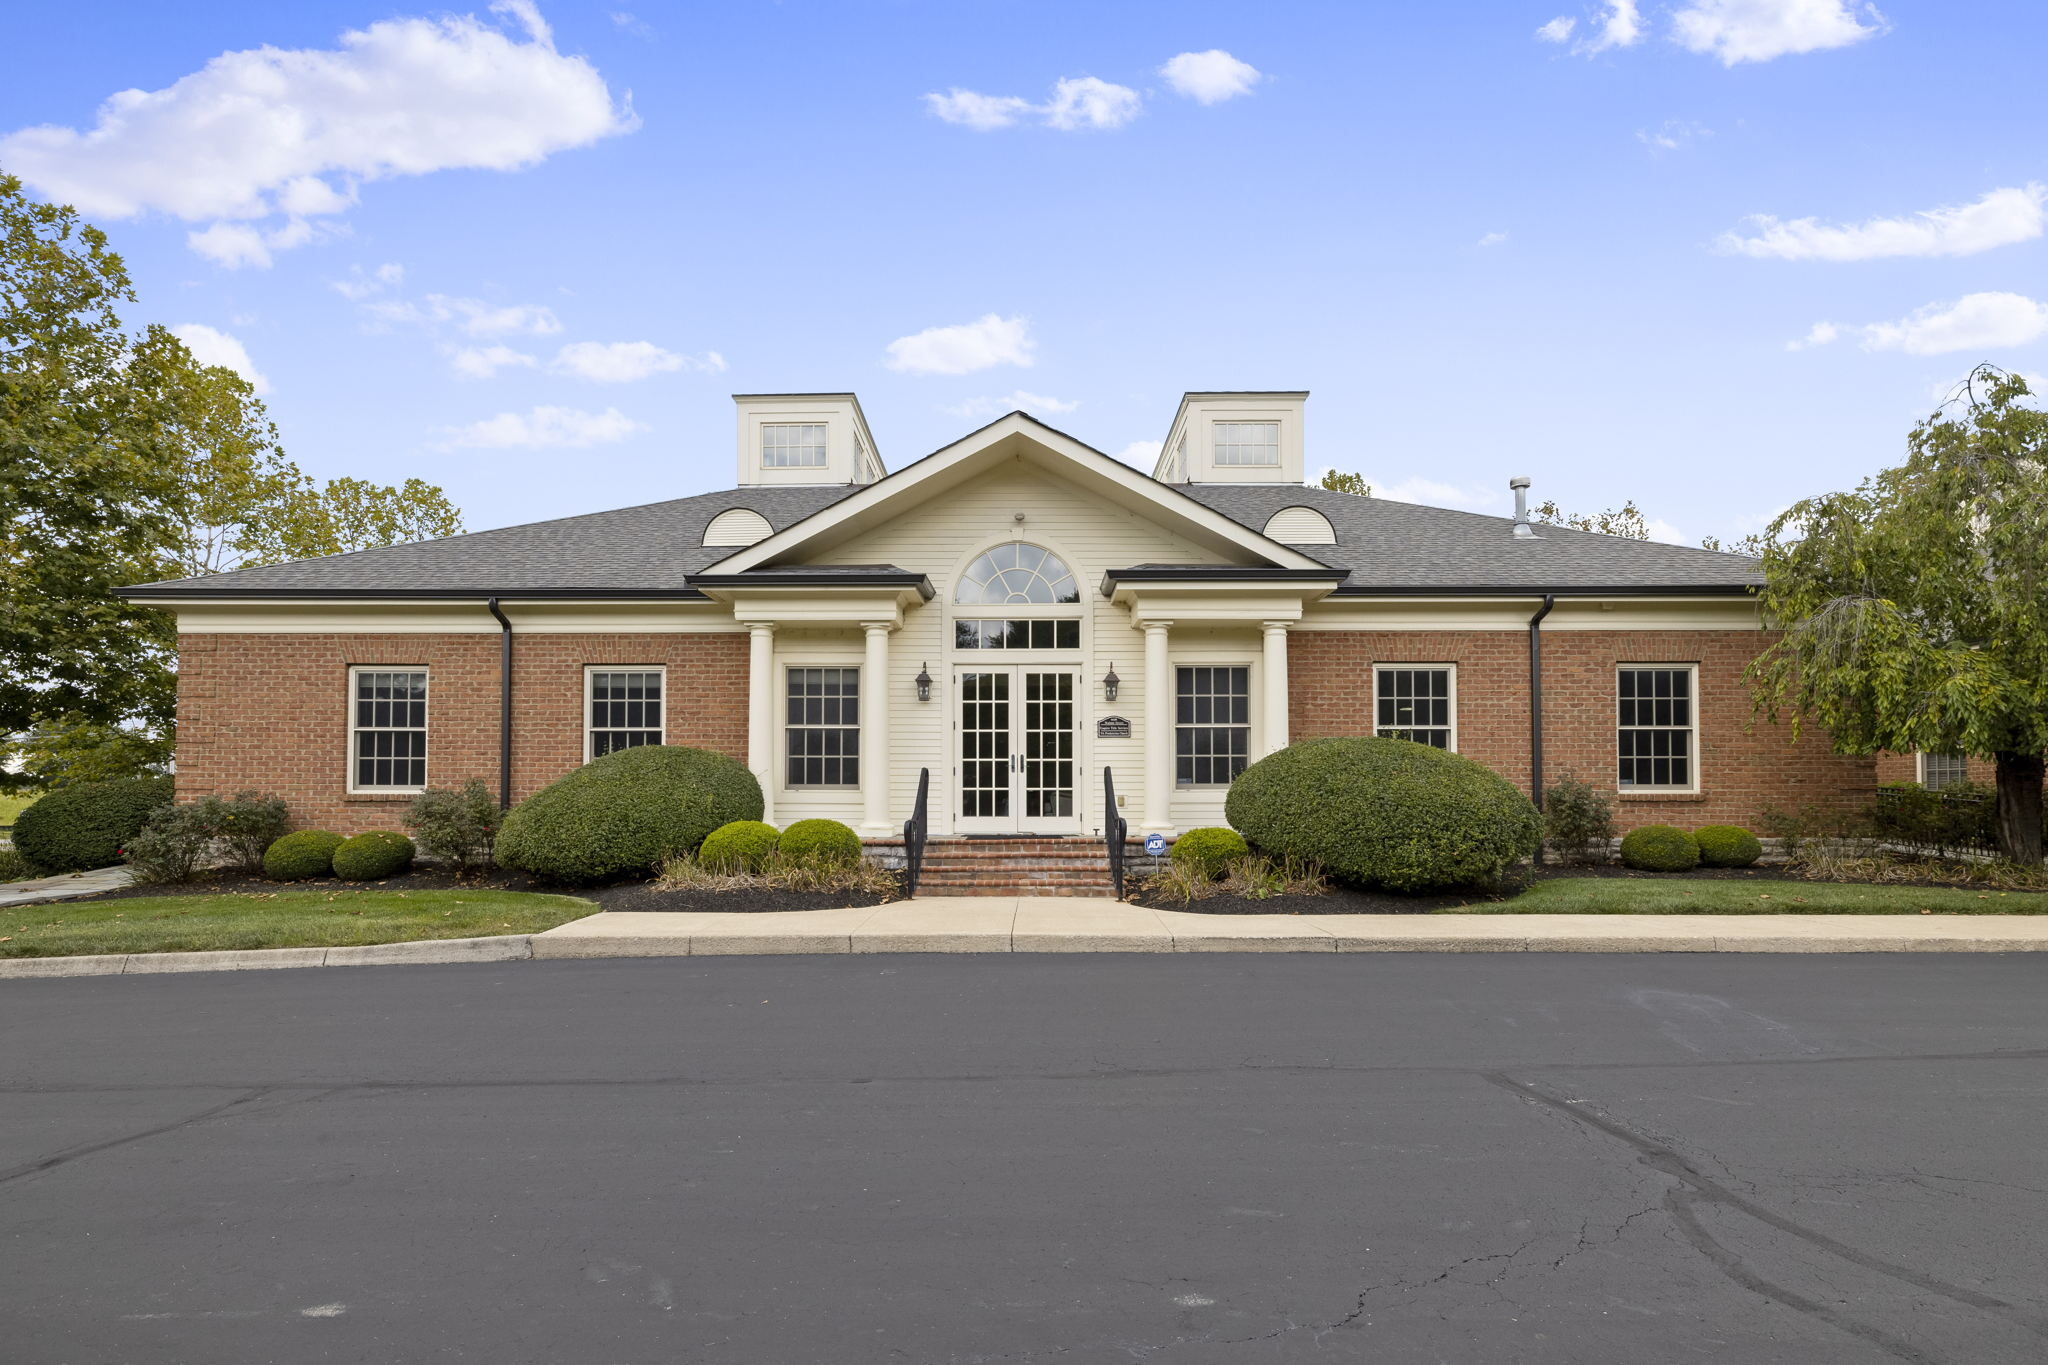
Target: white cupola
[(804, 438)]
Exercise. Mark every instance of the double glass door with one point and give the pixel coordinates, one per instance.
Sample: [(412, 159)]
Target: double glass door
[(1018, 762)]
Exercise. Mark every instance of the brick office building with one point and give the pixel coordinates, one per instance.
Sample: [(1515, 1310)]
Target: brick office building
[(1012, 614)]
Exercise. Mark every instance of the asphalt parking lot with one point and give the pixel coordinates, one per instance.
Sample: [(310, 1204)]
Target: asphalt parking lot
[(1169, 1158)]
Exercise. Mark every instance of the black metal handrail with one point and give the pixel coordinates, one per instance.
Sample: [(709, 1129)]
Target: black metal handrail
[(914, 830), (1114, 828)]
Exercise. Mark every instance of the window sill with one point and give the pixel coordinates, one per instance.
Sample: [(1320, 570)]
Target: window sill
[(394, 795), (1669, 797)]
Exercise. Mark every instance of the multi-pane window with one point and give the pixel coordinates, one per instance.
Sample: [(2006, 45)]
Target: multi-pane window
[(793, 445), (1416, 703), (1943, 770), (1021, 573), (624, 709), (1042, 633), (1212, 734), (1657, 727), (824, 727), (387, 729), (1247, 442)]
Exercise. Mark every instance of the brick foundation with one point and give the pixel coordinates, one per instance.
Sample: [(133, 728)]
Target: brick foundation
[(1745, 767), (269, 713)]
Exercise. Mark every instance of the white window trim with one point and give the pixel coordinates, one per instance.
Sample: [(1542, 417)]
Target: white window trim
[(590, 672), (427, 728), (1614, 742), (789, 664), (824, 450), (1398, 666), (1253, 682), (1215, 444), (1920, 768)]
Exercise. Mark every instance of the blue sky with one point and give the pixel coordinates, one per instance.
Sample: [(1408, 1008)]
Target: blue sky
[(528, 253)]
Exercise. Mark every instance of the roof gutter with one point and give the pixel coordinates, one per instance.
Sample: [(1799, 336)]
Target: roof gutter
[(504, 705)]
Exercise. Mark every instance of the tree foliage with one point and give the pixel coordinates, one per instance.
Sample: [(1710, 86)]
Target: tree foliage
[(1338, 481), (123, 460), (1915, 608), (1626, 521)]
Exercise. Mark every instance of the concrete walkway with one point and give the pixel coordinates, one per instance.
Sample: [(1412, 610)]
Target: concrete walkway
[(1075, 925), (63, 887)]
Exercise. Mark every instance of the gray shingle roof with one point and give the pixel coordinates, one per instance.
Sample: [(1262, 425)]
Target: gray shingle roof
[(651, 549), (1403, 546), (654, 549)]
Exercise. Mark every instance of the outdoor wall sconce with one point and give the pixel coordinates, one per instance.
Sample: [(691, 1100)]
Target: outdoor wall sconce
[(924, 682), (1109, 683)]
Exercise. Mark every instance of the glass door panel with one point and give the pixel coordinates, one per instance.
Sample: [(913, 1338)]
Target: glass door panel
[(985, 748), (1048, 746)]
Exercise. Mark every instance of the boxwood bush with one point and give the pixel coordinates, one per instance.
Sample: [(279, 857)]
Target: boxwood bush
[(1384, 813), (621, 815), (1727, 846), (372, 856), (1660, 848), (742, 846), (75, 829), (1208, 848), (302, 855), (822, 843)]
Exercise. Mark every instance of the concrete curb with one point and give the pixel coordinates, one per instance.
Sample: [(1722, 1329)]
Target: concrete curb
[(499, 948)]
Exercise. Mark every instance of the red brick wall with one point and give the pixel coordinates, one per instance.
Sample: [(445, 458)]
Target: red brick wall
[(1744, 767), (1906, 768), (269, 713)]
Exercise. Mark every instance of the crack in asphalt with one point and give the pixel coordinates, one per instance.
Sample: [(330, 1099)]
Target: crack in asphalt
[(1696, 1188), (240, 1103)]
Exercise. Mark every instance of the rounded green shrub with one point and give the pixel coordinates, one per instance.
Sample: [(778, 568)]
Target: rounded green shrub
[(621, 815), (297, 857), (1384, 813), (742, 846), (372, 856), (75, 829), (1727, 846), (1209, 848), (824, 843), (1660, 848)]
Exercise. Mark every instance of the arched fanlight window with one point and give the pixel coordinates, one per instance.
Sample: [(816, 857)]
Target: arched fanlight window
[(1021, 574)]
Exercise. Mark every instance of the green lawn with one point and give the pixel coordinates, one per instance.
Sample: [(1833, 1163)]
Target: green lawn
[(1683, 896), (276, 919), (14, 803)]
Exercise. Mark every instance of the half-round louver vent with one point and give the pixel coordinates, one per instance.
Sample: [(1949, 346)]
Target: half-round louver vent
[(1300, 526), (737, 526)]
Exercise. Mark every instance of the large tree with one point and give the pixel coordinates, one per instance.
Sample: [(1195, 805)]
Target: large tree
[(123, 460), (1915, 608)]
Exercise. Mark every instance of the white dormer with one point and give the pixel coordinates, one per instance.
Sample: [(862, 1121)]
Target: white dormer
[(1235, 438), (804, 438)]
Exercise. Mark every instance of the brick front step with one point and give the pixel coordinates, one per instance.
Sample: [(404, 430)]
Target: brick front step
[(1073, 866)]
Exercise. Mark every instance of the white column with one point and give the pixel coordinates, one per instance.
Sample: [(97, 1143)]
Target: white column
[(1158, 729), (761, 712), (874, 731), (1275, 726)]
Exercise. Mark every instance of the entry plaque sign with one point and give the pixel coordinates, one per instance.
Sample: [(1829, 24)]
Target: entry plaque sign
[(1113, 727)]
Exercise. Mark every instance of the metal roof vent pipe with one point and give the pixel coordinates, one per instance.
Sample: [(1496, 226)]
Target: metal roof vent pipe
[(1523, 530)]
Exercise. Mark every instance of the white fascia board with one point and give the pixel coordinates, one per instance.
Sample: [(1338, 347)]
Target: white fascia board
[(1170, 504)]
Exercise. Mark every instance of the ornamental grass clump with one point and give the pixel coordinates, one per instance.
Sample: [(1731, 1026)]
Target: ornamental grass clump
[(1660, 848), (373, 856), (625, 814), (301, 856), (1727, 846), (1387, 814)]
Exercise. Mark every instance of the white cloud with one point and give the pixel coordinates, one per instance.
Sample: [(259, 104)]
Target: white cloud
[(2000, 218), (622, 362), (1210, 77), (544, 428), (1972, 323), (1620, 26), (1820, 334), (979, 345), (1674, 133), (362, 284), (1434, 493), (473, 317), (481, 362), (269, 131), (1141, 454), (1493, 239), (1664, 532), (1558, 30), (1036, 403), (1077, 102), (1758, 30), (211, 346)]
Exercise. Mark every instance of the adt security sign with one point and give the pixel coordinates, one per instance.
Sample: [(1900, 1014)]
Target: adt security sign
[(1155, 844)]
